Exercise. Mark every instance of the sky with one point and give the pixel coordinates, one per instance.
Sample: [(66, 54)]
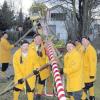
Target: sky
[(26, 4)]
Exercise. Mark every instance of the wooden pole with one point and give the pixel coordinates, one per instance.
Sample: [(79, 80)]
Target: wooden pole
[(16, 43), (8, 89)]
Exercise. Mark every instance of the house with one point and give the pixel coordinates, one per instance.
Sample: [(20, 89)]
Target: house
[(95, 29), (55, 21)]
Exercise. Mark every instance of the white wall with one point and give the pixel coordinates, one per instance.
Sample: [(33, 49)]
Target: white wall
[(60, 27)]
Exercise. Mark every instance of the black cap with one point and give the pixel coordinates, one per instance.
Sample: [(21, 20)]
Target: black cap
[(38, 24), (23, 42), (78, 39), (3, 33), (35, 35), (70, 42), (86, 37), (33, 32)]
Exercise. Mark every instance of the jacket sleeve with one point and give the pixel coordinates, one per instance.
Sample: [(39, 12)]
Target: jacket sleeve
[(35, 62), (92, 61), (7, 45), (65, 65), (17, 71), (47, 59)]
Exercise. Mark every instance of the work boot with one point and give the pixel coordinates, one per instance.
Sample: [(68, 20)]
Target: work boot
[(92, 98)]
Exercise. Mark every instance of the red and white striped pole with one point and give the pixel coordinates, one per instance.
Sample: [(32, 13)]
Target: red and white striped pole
[(57, 77)]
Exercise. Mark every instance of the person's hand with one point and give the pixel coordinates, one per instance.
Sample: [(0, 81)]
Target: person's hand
[(20, 81), (61, 71), (35, 72)]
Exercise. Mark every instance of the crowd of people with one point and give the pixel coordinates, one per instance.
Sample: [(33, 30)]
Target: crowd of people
[(79, 69)]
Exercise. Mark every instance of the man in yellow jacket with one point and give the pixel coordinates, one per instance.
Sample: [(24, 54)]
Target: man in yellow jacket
[(24, 63), (73, 72), (38, 46), (5, 52), (79, 46), (89, 65)]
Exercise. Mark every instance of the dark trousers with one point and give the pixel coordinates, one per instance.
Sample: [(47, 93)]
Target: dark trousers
[(4, 67), (77, 95)]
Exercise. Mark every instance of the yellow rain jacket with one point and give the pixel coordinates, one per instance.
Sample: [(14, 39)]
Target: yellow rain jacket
[(5, 51), (89, 63), (44, 74), (73, 71), (80, 48), (22, 70)]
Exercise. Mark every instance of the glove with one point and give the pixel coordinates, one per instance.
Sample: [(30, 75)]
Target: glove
[(91, 77), (20, 81), (61, 71), (35, 72), (15, 45)]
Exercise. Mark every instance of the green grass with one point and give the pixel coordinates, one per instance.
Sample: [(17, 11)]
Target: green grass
[(9, 96)]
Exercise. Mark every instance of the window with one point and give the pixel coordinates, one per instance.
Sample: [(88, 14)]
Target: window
[(58, 16)]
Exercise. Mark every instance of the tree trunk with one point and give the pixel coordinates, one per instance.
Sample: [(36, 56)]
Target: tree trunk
[(80, 20)]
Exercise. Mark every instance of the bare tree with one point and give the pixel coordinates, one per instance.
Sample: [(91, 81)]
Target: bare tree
[(79, 16)]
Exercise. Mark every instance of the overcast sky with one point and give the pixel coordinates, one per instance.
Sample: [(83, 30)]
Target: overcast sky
[(26, 4)]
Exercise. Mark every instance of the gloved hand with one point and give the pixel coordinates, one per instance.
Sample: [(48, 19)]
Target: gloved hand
[(20, 81), (61, 71), (91, 77), (35, 72), (15, 45)]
